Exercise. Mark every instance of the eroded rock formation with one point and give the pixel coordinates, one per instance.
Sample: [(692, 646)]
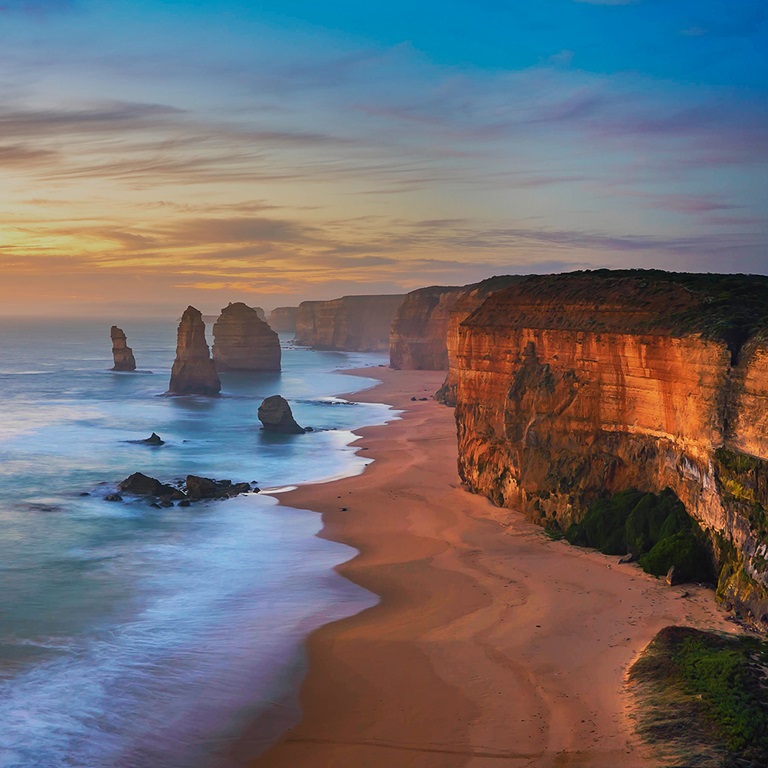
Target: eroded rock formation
[(575, 386), (122, 354), (351, 323), (276, 416), (244, 342), (420, 328), (193, 371), (283, 319)]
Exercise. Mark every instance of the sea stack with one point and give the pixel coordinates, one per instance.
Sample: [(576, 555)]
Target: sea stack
[(122, 354), (193, 371), (275, 414), (242, 341)]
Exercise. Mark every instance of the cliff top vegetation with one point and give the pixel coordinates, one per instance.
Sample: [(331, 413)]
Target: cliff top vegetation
[(729, 308)]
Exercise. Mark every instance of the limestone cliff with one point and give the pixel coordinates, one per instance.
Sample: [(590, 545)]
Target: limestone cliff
[(283, 319), (351, 323), (122, 354), (471, 298), (244, 342), (193, 371), (418, 337), (575, 386)]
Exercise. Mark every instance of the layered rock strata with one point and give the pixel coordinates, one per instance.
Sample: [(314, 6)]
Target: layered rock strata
[(351, 323), (283, 319), (420, 329), (244, 342), (471, 298), (122, 354), (575, 386), (193, 371)]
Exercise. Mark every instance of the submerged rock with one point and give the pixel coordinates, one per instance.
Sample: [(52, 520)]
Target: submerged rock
[(153, 439), (276, 416), (122, 354), (193, 371)]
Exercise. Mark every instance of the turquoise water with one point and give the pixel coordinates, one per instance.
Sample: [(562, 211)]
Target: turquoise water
[(132, 636)]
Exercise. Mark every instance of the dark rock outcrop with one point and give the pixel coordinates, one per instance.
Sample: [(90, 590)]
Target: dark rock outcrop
[(142, 485), (276, 416), (153, 439), (351, 323), (244, 342), (572, 387), (122, 354), (193, 371), (420, 329), (207, 488), (283, 319)]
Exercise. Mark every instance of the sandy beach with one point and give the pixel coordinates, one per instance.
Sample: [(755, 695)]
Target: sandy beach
[(491, 644)]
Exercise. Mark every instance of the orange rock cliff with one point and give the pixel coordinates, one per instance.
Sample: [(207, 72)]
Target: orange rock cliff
[(571, 387), (351, 323), (418, 337), (425, 330)]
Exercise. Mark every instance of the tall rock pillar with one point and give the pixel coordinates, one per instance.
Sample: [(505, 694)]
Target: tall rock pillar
[(122, 354), (193, 372)]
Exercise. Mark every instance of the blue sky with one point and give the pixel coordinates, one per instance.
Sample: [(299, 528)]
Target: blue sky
[(160, 153)]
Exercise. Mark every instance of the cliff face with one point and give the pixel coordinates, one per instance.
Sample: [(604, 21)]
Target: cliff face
[(122, 354), (351, 323), (471, 298), (283, 319), (419, 330), (244, 342), (575, 386), (193, 371)]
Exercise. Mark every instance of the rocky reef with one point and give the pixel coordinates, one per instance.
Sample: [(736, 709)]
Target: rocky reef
[(244, 342), (122, 354), (571, 388), (193, 371), (276, 416), (351, 323), (283, 319), (420, 328)]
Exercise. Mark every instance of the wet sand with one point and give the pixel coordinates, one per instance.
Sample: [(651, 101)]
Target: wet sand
[(492, 644)]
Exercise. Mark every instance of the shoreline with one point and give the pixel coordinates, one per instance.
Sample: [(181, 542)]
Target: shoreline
[(490, 641)]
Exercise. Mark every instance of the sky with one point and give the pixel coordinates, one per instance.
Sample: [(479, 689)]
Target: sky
[(159, 154)]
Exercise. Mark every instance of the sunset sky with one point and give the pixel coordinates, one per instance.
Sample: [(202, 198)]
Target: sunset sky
[(156, 154)]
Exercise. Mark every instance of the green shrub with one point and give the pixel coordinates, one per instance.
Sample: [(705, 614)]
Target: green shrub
[(654, 527), (681, 550)]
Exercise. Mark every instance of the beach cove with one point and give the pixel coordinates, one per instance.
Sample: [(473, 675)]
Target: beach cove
[(490, 642)]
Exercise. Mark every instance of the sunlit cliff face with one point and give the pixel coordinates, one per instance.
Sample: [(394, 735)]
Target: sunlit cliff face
[(152, 155)]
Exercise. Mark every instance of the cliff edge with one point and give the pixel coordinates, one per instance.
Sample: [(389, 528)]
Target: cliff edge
[(578, 386)]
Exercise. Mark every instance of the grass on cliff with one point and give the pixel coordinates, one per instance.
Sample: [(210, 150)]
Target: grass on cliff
[(702, 698), (655, 528)]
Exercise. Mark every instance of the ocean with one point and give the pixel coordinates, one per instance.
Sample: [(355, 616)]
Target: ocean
[(139, 637)]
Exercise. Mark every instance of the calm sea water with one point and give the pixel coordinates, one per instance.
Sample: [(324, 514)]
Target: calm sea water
[(131, 636)]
